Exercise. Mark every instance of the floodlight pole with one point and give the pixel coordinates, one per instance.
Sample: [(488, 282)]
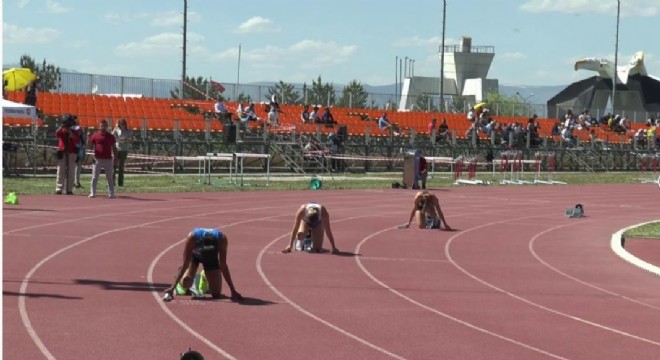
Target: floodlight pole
[(616, 55), (442, 57), (185, 30)]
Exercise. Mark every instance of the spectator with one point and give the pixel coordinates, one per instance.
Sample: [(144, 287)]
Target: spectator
[(104, 151), (327, 117), (556, 129), (66, 155), (31, 92), (443, 131), (314, 116), (124, 138), (423, 171), (567, 136), (274, 111), (533, 131), (336, 144), (384, 123), (304, 115), (250, 113), (221, 112), (471, 116), (431, 126), (80, 159)]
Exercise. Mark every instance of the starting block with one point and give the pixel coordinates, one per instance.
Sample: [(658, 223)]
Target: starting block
[(575, 212)]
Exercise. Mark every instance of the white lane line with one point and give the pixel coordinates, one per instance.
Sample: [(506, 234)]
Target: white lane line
[(531, 249), (24, 284), (526, 301), (436, 311), (617, 247), (308, 313)]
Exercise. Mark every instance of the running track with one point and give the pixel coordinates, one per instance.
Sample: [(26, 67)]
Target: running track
[(82, 278)]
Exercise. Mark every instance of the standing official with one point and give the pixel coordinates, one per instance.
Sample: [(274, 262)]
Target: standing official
[(103, 143)]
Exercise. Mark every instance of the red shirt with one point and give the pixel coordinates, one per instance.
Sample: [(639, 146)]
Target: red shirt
[(73, 136), (103, 143), (422, 164)]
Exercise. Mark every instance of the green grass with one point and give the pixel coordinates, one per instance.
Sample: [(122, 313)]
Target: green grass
[(651, 230), (27, 185), (42, 185)]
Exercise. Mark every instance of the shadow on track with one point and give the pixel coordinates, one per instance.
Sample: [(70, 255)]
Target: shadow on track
[(41, 295), (122, 285)]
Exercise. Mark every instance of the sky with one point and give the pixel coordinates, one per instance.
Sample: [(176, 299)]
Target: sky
[(536, 42)]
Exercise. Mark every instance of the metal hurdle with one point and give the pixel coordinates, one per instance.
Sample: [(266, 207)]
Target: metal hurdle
[(648, 163), (551, 159), (459, 164)]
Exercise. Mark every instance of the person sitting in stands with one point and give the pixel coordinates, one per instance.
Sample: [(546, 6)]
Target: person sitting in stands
[(220, 110), (327, 117), (304, 115)]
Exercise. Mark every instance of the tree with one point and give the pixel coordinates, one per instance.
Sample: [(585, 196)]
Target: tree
[(51, 78), (424, 103), (507, 105), (286, 93), (321, 94), (196, 89), (243, 99), (353, 96)]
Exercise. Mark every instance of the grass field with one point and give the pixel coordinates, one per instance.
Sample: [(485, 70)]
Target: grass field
[(41, 185)]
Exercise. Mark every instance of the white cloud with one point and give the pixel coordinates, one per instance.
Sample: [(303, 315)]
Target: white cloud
[(257, 24), (23, 3), (162, 19), (164, 43), (629, 8), (13, 34), (54, 7), (513, 55), (418, 42)]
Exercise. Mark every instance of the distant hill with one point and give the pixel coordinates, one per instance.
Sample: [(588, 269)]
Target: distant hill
[(72, 83)]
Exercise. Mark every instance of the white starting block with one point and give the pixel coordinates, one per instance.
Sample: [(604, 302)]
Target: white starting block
[(575, 212)]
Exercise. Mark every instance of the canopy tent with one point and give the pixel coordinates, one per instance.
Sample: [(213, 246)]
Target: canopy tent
[(16, 110)]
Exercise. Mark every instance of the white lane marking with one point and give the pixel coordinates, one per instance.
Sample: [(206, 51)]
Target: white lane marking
[(308, 313), (526, 301), (436, 311), (531, 249), (615, 244), (24, 284)]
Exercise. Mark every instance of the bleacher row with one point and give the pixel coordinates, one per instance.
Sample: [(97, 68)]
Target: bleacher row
[(158, 114)]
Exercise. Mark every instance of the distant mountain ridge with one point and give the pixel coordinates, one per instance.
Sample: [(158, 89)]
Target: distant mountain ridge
[(541, 93)]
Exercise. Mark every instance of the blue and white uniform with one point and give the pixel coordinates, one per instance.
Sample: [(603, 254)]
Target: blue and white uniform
[(206, 248)]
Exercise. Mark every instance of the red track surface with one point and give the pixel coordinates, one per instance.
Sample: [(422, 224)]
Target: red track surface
[(517, 280)]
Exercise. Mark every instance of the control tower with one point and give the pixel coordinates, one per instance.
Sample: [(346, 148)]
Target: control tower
[(467, 67), (465, 73)]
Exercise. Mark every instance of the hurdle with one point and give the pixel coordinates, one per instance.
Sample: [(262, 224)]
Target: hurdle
[(512, 169), (459, 164), (551, 159), (648, 163)]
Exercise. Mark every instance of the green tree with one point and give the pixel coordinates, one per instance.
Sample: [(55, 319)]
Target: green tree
[(424, 103), (196, 89), (321, 94), (51, 78), (286, 93), (242, 98), (353, 96), (507, 105)]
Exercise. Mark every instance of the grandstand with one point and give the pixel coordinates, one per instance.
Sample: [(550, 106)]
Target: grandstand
[(171, 127)]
